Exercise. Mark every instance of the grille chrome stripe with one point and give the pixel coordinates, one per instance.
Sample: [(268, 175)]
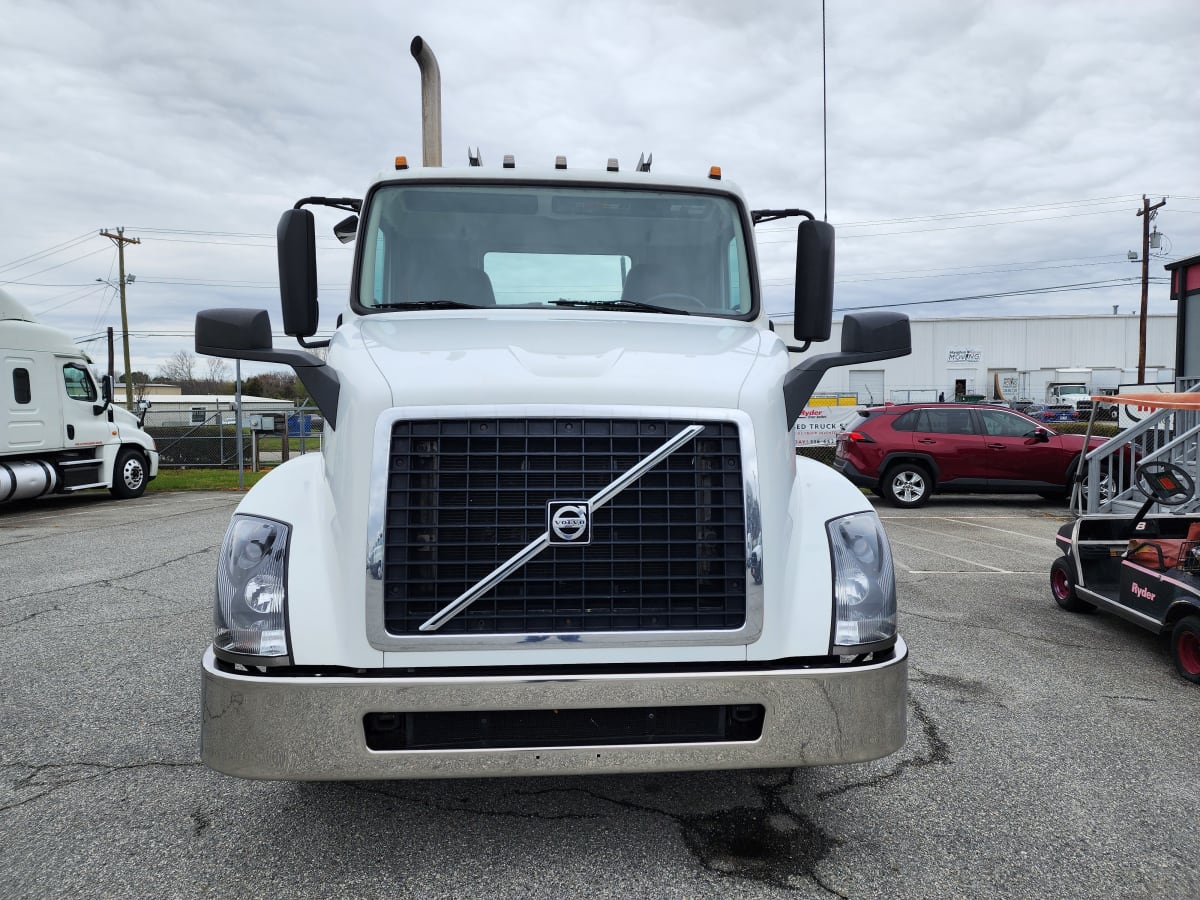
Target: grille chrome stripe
[(536, 546), (538, 637)]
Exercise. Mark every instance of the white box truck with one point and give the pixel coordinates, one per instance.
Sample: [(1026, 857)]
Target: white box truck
[(558, 524), (59, 429)]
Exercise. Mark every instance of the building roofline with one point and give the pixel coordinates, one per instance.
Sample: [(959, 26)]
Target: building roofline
[(1182, 263)]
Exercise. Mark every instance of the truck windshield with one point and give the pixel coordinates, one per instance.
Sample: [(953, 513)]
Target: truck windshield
[(520, 246)]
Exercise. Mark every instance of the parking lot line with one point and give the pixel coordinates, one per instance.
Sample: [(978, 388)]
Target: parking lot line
[(944, 555), (962, 572)]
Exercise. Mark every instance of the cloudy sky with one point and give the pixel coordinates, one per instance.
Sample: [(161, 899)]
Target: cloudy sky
[(989, 150)]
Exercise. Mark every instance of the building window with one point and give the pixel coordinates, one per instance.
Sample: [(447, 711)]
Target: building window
[(21, 385), (199, 415), (79, 383)]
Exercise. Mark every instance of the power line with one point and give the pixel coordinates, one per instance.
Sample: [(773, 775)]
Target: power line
[(1053, 289), (50, 251), (877, 277), (331, 243), (841, 236), (87, 293), (969, 214), (57, 266)]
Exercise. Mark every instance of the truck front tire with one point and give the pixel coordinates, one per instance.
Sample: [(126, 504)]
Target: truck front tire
[(129, 474)]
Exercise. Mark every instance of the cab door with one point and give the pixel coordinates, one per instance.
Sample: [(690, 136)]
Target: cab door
[(82, 427)]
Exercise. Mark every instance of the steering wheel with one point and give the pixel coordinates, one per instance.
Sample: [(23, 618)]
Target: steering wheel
[(674, 301), (1166, 483)]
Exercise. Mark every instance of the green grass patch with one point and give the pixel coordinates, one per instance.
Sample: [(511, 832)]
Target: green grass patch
[(201, 479)]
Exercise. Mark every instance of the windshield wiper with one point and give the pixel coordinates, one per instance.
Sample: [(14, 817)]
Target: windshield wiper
[(426, 304), (619, 304)]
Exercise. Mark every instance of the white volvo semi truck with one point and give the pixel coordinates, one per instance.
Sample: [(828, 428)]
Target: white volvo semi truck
[(558, 524)]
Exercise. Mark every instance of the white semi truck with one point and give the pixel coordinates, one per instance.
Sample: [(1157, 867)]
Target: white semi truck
[(59, 429), (558, 524)]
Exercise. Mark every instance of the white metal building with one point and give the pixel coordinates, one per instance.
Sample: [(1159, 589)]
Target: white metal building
[(200, 409), (1019, 355)]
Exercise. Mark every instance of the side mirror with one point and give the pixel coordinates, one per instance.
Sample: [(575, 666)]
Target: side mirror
[(813, 316), (246, 334), (866, 337), (297, 240), (106, 395), (880, 333), (1041, 435), (346, 230)]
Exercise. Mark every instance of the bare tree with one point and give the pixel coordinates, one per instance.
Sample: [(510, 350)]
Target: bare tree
[(218, 372), (180, 368)]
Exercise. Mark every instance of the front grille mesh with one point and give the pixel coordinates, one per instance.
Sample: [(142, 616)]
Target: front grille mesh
[(464, 495)]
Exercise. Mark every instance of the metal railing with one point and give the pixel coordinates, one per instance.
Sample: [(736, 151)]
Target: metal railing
[(1166, 435)]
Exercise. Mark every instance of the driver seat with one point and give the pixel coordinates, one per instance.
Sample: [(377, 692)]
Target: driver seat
[(647, 280), (1162, 553)]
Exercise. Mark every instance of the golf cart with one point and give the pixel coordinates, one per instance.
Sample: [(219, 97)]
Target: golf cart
[(1144, 568)]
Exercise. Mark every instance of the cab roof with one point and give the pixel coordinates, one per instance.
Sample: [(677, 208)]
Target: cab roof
[(628, 178)]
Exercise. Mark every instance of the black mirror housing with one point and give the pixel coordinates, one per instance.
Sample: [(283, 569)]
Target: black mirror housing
[(246, 334), (347, 229), (867, 336), (297, 242), (877, 331), (233, 332), (813, 315)]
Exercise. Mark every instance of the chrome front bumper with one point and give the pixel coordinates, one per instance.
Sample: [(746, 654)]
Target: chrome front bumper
[(311, 728)]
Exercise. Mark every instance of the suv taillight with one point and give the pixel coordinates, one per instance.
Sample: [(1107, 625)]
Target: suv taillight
[(855, 437)]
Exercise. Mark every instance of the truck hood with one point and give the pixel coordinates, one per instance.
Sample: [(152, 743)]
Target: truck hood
[(529, 356)]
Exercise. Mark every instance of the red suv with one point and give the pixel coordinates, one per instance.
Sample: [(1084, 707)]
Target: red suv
[(906, 452)]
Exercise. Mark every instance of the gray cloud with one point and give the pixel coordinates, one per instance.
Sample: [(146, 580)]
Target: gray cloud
[(195, 124)]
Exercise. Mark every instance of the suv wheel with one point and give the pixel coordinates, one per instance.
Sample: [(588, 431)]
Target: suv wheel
[(906, 485)]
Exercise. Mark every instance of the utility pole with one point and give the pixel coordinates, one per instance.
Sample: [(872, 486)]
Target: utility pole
[(120, 240), (1147, 212)]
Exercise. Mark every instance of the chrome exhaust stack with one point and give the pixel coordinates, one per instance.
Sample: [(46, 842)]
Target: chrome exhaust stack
[(431, 103)]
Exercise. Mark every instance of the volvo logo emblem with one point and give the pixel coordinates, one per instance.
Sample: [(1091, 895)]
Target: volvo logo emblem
[(570, 521)]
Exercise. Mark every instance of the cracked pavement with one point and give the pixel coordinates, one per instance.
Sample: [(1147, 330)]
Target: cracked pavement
[(1048, 754)]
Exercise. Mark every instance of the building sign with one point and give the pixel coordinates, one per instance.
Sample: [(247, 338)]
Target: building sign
[(964, 356), (823, 419)]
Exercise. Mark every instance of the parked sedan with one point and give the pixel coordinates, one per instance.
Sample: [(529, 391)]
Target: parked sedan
[(1044, 413), (907, 452)]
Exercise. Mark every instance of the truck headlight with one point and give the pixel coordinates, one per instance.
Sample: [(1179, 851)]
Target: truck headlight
[(251, 607), (864, 582)]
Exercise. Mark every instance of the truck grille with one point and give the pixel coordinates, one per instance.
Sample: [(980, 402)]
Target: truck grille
[(464, 495)]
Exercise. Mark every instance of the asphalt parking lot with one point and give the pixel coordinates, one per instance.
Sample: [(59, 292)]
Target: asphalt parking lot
[(1049, 754)]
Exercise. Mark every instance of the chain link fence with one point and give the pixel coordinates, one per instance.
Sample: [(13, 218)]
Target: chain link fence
[(213, 443)]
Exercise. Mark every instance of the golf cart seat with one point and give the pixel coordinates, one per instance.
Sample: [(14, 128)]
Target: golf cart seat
[(1163, 553)]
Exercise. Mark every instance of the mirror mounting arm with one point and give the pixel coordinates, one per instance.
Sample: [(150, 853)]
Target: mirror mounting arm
[(866, 337), (246, 334)]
